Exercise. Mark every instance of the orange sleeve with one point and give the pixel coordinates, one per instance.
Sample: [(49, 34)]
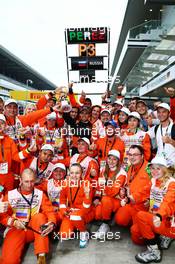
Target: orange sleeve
[(18, 156), (5, 218), (121, 147), (66, 161), (92, 165), (73, 100), (147, 147), (47, 209), (167, 207), (142, 191), (33, 117), (42, 102), (172, 108), (63, 200), (42, 186), (60, 121), (82, 99), (113, 189)]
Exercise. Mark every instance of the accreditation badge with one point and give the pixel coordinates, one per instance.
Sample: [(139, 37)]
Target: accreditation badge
[(3, 168)]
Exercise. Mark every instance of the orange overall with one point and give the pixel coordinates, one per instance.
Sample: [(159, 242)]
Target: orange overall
[(110, 201), (75, 209), (139, 185), (144, 228), (16, 239)]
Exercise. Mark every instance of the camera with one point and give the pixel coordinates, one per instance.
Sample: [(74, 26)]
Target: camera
[(43, 227)]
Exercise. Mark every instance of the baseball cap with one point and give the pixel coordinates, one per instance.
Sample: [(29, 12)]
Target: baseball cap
[(59, 165), (10, 101), (85, 108), (51, 116), (85, 140), (105, 110), (114, 153), (135, 114), (141, 101), (118, 102), (47, 147), (2, 117), (125, 110), (164, 105), (159, 160), (112, 123)]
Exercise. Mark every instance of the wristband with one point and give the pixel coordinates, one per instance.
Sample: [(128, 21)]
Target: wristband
[(27, 150), (159, 217)]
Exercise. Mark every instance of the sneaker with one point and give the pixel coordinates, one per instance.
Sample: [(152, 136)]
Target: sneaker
[(102, 231), (152, 254), (165, 242), (41, 259), (84, 239)]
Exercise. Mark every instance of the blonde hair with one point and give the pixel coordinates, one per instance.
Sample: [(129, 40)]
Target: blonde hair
[(167, 173), (29, 105)]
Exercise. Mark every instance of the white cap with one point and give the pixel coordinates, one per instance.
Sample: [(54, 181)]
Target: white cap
[(164, 105), (159, 160), (47, 147), (59, 165), (51, 116), (118, 102), (85, 140), (10, 101), (125, 110), (2, 117), (135, 114), (105, 110), (114, 153)]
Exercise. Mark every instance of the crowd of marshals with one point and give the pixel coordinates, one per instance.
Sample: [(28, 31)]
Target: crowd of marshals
[(64, 165)]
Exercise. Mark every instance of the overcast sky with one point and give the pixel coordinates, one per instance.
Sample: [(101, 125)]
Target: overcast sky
[(33, 30)]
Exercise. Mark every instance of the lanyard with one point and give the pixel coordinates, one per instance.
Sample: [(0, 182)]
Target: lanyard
[(106, 146), (38, 173), (73, 199), (132, 176), (2, 152), (10, 124), (80, 159), (49, 134), (29, 202), (161, 129)]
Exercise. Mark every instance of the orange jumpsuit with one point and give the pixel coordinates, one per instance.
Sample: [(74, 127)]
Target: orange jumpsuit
[(110, 201), (105, 144), (139, 138), (139, 184), (9, 153), (53, 188), (165, 207), (73, 101), (39, 213), (74, 202), (87, 164)]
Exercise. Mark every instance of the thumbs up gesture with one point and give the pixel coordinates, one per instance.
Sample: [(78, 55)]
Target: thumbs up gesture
[(3, 205), (87, 189), (93, 146)]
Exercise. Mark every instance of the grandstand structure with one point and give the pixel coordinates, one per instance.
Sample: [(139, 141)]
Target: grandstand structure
[(15, 74), (144, 60)]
